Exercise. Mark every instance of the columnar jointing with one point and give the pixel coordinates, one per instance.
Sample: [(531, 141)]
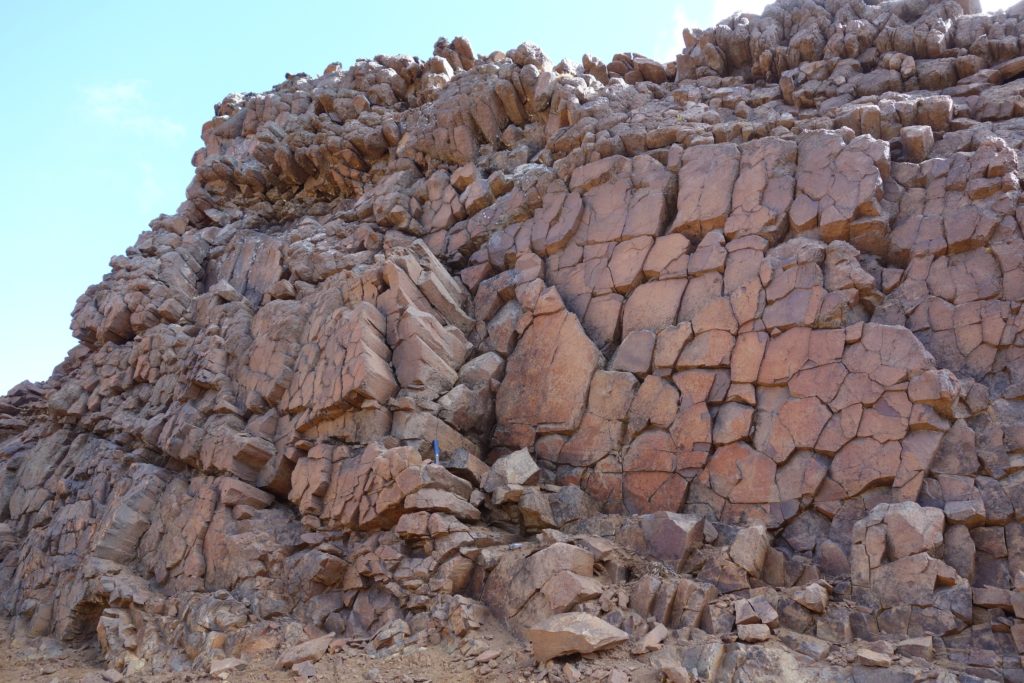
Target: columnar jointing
[(724, 359)]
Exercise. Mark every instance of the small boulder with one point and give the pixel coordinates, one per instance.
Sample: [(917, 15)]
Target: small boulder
[(219, 666), (917, 142), (309, 651), (749, 548), (234, 492), (515, 469), (567, 589), (869, 657), (535, 510), (464, 464), (753, 633), (911, 528), (572, 633), (813, 597), (652, 640), (916, 647)]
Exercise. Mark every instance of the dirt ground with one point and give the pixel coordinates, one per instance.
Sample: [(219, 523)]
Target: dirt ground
[(44, 660)]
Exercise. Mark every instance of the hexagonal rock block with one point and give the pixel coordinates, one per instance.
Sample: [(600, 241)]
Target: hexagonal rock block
[(910, 528), (572, 633), (653, 305), (764, 189), (705, 188), (912, 580), (650, 477), (548, 375), (515, 469), (671, 536), (749, 547), (864, 463), (741, 474), (511, 586), (917, 142)]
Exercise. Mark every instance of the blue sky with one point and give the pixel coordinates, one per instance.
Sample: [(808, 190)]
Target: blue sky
[(105, 101)]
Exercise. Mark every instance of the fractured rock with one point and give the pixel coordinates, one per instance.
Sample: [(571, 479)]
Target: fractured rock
[(572, 633)]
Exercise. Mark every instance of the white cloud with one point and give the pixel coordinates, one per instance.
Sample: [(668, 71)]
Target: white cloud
[(723, 9), (124, 105), (670, 41)]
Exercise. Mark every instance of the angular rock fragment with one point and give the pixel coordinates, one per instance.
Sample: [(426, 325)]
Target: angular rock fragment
[(572, 633)]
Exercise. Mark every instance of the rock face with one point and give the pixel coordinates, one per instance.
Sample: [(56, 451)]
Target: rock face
[(754, 315)]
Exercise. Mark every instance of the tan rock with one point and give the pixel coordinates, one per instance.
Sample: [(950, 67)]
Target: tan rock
[(710, 349), (517, 468), (916, 647), (813, 596), (910, 529), (635, 352), (572, 633), (565, 590), (753, 633), (869, 657), (863, 463), (917, 142), (309, 651), (234, 492), (741, 474), (437, 500), (535, 511), (763, 190), (749, 548)]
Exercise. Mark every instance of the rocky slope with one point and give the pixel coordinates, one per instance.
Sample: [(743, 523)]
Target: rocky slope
[(725, 359)]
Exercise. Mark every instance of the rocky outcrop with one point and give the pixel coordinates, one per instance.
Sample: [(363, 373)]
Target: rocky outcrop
[(724, 355)]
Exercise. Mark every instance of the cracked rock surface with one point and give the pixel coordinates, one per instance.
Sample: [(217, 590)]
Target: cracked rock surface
[(724, 358)]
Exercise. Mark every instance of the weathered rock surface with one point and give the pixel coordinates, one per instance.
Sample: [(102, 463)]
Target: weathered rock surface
[(725, 355), (572, 633)]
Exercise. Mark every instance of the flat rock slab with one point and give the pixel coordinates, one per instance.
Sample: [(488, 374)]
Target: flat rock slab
[(572, 633), (309, 651)]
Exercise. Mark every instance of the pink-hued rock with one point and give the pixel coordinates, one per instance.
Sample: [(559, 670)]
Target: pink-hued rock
[(705, 189), (742, 475), (863, 463), (752, 314), (547, 376)]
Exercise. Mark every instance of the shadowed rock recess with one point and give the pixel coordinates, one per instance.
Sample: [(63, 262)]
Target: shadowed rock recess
[(725, 358)]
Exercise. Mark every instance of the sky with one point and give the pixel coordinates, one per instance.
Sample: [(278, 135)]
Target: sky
[(105, 101)]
